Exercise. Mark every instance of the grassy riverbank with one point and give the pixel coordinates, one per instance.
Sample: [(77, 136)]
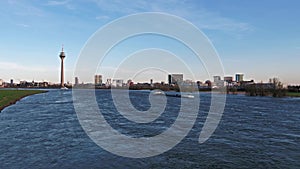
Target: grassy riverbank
[(9, 97), (293, 94)]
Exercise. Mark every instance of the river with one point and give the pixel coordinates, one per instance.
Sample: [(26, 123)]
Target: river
[(42, 131)]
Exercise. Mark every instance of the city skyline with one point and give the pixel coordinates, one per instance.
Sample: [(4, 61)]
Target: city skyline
[(259, 42), (171, 79)]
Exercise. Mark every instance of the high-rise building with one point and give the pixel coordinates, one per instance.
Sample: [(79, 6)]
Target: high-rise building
[(62, 56), (76, 81), (217, 79), (98, 79), (175, 78), (239, 77), (218, 82)]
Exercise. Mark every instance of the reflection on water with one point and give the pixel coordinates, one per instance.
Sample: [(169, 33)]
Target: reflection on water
[(42, 131)]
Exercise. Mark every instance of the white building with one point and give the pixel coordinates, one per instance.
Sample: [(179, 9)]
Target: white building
[(117, 83), (108, 82), (218, 82)]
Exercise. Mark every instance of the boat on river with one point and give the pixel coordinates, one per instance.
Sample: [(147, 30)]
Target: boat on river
[(190, 96)]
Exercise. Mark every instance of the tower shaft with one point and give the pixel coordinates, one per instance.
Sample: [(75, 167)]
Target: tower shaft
[(62, 73), (62, 56)]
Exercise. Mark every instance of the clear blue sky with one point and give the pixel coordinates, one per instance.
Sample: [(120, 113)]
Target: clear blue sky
[(258, 38)]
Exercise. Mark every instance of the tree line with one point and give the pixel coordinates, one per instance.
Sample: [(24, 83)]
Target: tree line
[(273, 88)]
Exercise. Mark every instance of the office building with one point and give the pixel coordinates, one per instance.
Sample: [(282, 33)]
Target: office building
[(218, 82), (217, 78), (175, 78), (239, 77), (117, 83), (76, 81), (98, 79)]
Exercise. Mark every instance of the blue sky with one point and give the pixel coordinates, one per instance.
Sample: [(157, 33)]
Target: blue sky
[(258, 38)]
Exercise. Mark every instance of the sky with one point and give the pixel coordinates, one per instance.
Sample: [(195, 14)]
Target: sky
[(258, 38)]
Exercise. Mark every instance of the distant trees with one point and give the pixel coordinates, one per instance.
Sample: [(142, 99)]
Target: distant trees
[(295, 88), (231, 89), (277, 90), (273, 88)]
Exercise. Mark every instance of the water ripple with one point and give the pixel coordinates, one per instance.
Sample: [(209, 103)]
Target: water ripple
[(42, 131)]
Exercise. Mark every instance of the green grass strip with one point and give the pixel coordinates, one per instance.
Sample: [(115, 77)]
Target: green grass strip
[(293, 94), (9, 97)]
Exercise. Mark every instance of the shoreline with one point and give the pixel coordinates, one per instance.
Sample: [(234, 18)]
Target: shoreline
[(10, 97)]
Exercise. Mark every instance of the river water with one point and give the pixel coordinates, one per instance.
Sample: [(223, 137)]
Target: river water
[(42, 131)]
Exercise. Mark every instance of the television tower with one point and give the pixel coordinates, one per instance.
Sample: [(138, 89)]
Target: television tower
[(62, 56)]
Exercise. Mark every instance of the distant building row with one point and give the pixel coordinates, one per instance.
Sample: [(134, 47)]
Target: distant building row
[(173, 79)]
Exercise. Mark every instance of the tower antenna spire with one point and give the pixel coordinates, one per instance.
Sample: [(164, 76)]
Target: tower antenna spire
[(62, 47)]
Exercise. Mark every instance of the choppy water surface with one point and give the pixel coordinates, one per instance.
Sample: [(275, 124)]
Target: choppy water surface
[(42, 131)]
